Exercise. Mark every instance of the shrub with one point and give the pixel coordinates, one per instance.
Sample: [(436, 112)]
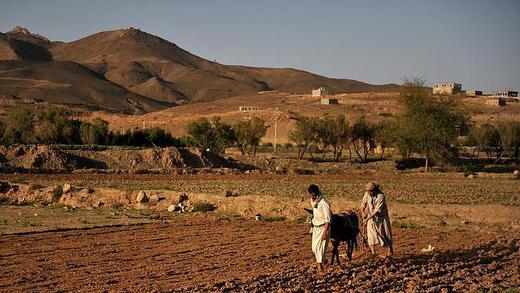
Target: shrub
[(204, 207), (57, 192)]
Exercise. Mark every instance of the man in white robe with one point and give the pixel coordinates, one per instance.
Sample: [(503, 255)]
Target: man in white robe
[(376, 219), (320, 225)]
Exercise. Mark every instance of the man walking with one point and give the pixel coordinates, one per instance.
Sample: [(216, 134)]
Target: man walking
[(376, 219), (320, 225)]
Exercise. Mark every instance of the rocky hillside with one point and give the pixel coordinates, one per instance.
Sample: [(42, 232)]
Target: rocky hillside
[(155, 72)]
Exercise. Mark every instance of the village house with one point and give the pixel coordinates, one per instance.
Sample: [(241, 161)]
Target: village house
[(329, 101), (496, 102), (508, 96), (473, 93), (321, 92), (247, 108), (447, 88)]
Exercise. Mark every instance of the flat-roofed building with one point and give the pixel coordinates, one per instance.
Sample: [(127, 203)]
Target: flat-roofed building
[(473, 93), (508, 96), (247, 108), (329, 101), (447, 88), (321, 92), (496, 102)]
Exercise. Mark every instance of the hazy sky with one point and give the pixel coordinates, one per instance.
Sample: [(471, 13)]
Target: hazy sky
[(474, 42)]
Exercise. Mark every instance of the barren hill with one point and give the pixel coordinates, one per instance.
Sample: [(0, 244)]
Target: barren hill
[(133, 71), (69, 83), (160, 69)]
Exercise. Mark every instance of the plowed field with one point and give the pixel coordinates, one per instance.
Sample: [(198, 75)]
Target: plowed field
[(209, 253)]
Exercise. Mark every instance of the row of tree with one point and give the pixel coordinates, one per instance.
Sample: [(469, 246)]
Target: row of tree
[(335, 133), (24, 126), (502, 139), (216, 135)]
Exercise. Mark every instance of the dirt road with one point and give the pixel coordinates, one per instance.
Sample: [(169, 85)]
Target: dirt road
[(208, 253)]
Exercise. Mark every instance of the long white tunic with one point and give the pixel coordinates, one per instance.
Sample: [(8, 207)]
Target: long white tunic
[(321, 215), (379, 230)]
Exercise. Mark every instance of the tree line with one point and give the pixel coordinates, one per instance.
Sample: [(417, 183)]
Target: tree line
[(495, 140), (428, 126), (216, 135), (25, 126)]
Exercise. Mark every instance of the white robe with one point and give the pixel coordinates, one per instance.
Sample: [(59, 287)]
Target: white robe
[(379, 230), (321, 215)]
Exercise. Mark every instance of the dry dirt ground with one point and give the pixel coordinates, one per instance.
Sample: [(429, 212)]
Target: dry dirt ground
[(472, 223), (208, 253)]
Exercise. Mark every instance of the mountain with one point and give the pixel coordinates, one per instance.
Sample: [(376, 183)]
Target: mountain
[(133, 71), (69, 83), (136, 59)]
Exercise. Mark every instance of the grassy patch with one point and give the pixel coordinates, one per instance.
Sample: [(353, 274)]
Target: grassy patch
[(29, 218), (204, 207), (405, 225)]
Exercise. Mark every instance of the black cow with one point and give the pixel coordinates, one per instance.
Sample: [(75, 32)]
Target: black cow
[(344, 227)]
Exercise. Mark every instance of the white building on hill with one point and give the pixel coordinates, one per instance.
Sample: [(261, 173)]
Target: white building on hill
[(321, 92), (447, 88)]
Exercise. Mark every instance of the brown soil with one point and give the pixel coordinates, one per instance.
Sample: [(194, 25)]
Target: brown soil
[(207, 253), (160, 160)]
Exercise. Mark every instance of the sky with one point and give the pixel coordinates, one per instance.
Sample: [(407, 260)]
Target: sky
[(474, 42)]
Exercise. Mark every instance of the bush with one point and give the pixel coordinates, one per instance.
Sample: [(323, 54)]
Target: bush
[(57, 192), (204, 207)]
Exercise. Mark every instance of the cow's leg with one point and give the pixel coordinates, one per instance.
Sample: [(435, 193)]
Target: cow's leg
[(350, 249), (334, 252), (337, 252)]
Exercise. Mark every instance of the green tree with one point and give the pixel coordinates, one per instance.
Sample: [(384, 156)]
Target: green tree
[(384, 135), (225, 135), (489, 140), (334, 132), (95, 132), (428, 125), (249, 133), (510, 137), (49, 126), (363, 138), (19, 126), (200, 132), (304, 134), (70, 132), (214, 136)]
